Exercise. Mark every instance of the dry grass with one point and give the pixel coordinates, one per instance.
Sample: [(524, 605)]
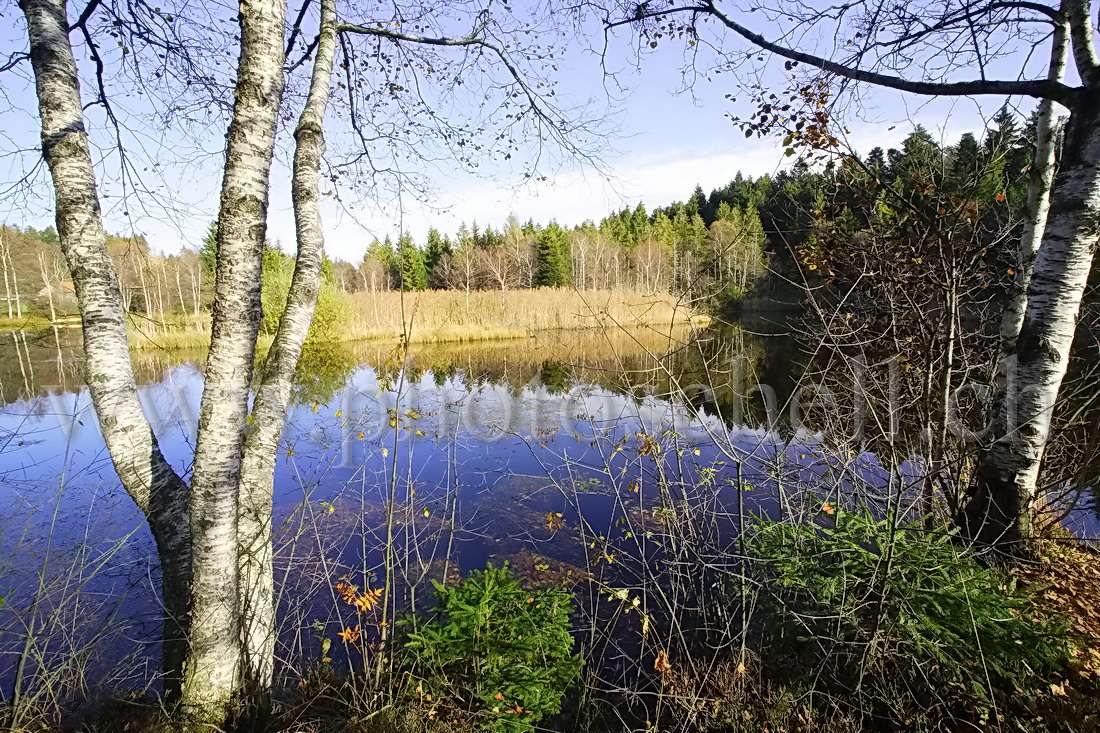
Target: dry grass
[(448, 315)]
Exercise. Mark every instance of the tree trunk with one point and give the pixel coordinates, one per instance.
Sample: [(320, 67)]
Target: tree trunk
[(1002, 497), (1041, 180), (145, 474), (215, 659), (44, 271), (4, 263), (272, 399)]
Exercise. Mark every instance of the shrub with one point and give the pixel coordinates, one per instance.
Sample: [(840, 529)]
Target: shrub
[(331, 316), (500, 653), (900, 610)]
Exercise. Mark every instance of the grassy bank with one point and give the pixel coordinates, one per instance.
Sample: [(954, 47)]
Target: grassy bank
[(438, 316), (448, 315)]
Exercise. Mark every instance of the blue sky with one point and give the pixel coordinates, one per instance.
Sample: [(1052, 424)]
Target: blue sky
[(666, 141)]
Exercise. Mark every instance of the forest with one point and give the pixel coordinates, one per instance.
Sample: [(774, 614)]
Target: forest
[(711, 249)]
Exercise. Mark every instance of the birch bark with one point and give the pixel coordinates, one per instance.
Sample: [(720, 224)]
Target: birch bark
[(1003, 495), (1041, 181), (146, 475), (215, 657), (273, 395)]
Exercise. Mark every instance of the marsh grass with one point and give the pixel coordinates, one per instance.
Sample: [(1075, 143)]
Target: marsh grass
[(449, 316)]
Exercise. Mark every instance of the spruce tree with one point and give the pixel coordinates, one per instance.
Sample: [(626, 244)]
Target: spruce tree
[(414, 275), (553, 257), (437, 248)]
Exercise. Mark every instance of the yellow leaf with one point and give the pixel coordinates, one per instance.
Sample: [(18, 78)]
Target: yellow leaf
[(385, 452), (427, 512), (339, 413)]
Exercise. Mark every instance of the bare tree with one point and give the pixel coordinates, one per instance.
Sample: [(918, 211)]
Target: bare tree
[(214, 536), (925, 50)]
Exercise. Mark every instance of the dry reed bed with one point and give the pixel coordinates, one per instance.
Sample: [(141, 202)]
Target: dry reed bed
[(439, 316), (449, 315)]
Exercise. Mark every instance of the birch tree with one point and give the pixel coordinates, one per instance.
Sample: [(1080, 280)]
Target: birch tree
[(213, 533), (148, 478), (951, 49)]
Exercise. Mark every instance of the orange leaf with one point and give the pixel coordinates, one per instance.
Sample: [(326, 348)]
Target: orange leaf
[(662, 664)]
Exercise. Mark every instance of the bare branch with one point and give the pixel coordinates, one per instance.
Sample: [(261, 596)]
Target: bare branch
[(1081, 32), (1041, 88), (1038, 88)]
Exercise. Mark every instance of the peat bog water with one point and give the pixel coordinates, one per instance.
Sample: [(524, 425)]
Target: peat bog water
[(538, 448)]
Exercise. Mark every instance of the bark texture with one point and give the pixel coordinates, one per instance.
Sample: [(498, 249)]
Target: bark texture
[(1003, 495), (273, 395), (1040, 183), (214, 663), (154, 485)]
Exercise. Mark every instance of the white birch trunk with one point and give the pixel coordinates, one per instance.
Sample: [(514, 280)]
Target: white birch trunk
[(215, 659), (273, 396), (4, 263), (1001, 500), (145, 474), (1041, 180)]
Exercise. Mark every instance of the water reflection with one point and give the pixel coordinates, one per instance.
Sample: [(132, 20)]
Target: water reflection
[(582, 451)]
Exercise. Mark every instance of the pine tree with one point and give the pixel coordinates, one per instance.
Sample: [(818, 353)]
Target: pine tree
[(553, 257), (414, 275), (436, 250)]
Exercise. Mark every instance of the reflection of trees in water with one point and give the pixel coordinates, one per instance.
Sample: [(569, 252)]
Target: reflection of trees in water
[(32, 363), (556, 376), (696, 367), (323, 370), (692, 367)]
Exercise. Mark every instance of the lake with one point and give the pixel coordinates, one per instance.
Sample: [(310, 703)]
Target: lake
[(577, 456)]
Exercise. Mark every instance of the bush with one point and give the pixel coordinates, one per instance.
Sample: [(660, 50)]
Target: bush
[(331, 316), (499, 653), (901, 611)]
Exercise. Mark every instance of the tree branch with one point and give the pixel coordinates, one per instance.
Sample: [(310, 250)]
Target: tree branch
[(472, 40), (1041, 88), (1081, 33), (85, 14)]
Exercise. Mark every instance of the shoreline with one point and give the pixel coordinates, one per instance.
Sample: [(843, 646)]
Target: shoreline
[(200, 339)]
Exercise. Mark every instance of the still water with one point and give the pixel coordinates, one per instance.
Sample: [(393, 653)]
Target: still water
[(564, 454)]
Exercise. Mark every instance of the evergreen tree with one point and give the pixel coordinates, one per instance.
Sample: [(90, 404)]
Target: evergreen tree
[(697, 201), (638, 225), (436, 250), (662, 230), (208, 253), (413, 273), (553, 257), (968, 163)]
